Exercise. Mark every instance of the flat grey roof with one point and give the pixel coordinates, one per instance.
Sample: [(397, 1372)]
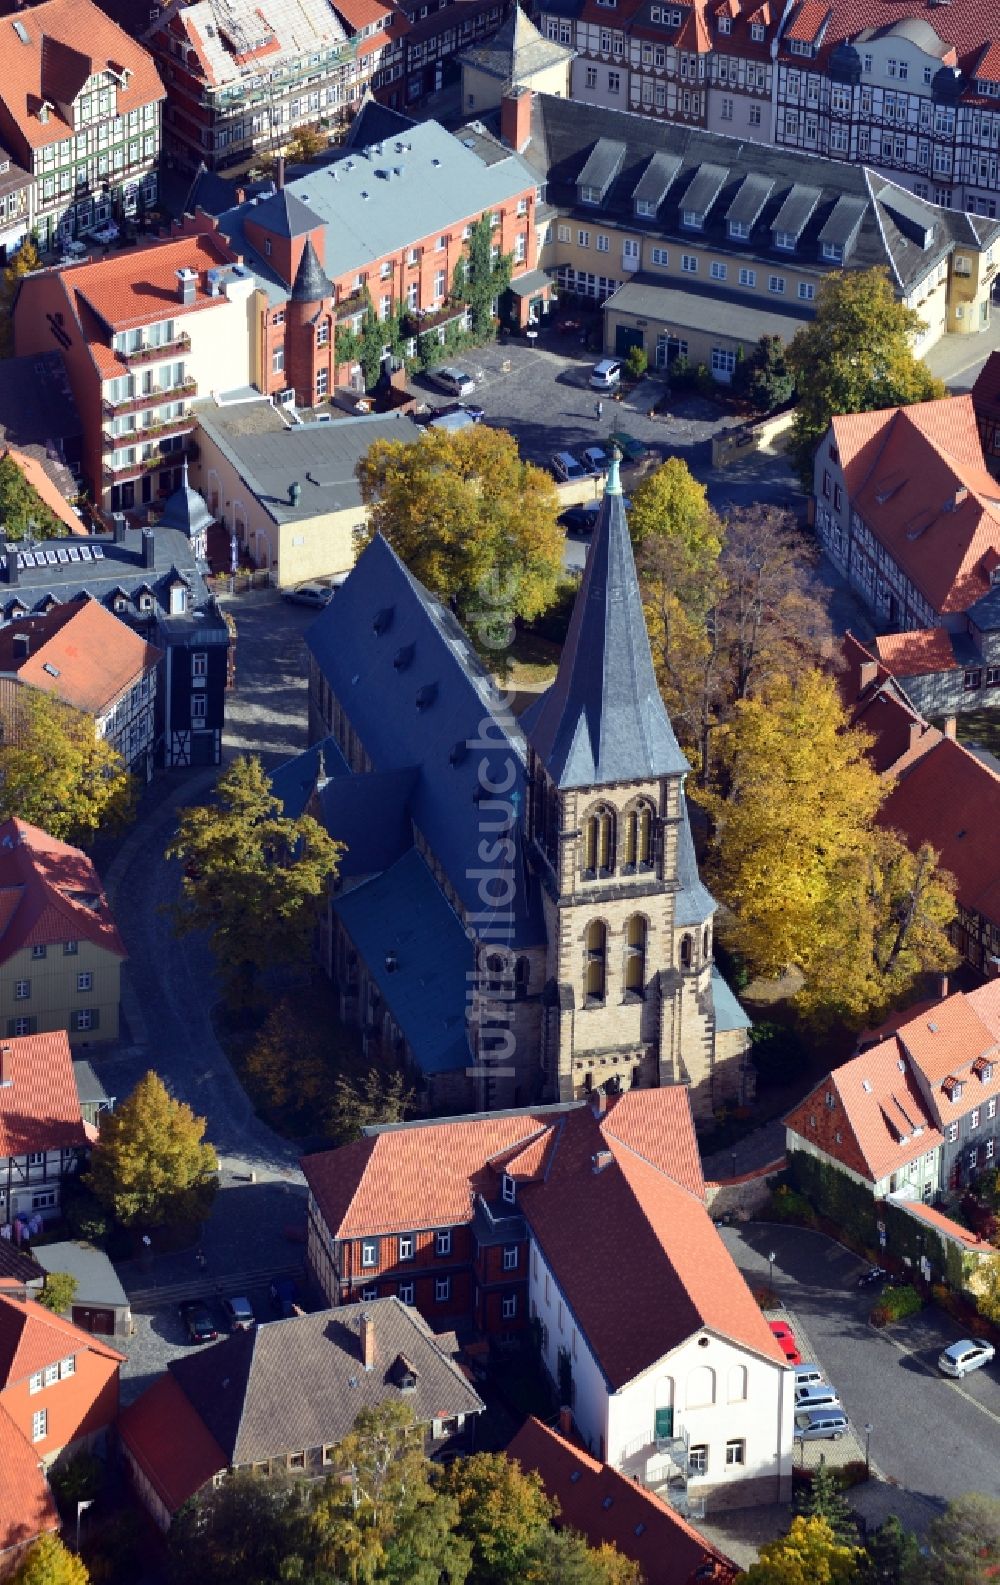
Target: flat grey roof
[(319, 457), (96, 1279), (691, 310)]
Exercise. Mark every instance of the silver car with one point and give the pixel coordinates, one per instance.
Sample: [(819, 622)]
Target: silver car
[(820, 1425), (969, 1354), (813, 1397)]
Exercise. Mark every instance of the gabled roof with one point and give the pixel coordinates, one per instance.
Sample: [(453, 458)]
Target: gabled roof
[(27, 1506), (301, 1383), (916, 654), (81, 652), (603, 720), (170, 1442), (294, 781), (35, 474), (51, 893), (876, 703), (285, 215), (610, 1509), (40, 1107), (31, 1337)]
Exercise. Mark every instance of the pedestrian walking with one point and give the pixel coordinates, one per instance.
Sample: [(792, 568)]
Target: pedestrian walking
[(600, 410)]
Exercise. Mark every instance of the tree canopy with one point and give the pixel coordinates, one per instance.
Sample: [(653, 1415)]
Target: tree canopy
[(809, 1554), (479, 278), (252, 877), (59, 1292), (22, 510), (476, 524), (150, 1165), (24, 262), (854, 355), (965, 1542), (764, 379), (55, 772), (48, 1561)]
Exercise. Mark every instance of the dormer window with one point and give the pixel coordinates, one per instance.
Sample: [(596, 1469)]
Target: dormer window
[(725, 25), (693, 220), (986, 1072), (785, 240), (757, 32), (508, 1189), (178, 599), (739, 231), (833, 252), (145, 602)]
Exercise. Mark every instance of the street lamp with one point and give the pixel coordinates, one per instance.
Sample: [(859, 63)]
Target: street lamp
[(81, 1509), (868, 1450), (771, 1257)]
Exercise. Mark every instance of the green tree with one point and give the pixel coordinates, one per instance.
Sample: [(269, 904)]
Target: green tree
[(80, 1479), (479, 278), (987, 1289), (22, 510), (504, 1512), (563, 1557), (672, 504), (59, 1292), (855, 355), (809, 1554), (24, 262), (892, 1556), (150, 1165), (824, 1499), (764, 379), (253, 878), (379, 1096), (474, 523), (306, 144), (55, 772), (637, 362), (48, 1562), (965, 1542), (248, 1530)]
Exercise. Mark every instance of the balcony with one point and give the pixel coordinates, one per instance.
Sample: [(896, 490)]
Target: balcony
[(169, 426), (155, 394), (167, 349), (159, 459)]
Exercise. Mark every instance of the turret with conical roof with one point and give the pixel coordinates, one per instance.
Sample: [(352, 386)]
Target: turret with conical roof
[(310, 303), (311, 282)]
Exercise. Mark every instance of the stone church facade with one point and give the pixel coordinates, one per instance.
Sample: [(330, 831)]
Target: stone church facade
[(519, 915)]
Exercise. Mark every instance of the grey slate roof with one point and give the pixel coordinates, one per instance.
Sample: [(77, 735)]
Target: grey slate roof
[(311, 282), (380, 673), (292, 1385), (603, 720), (321, 458), (403, 916), (285, 214), (515, 51), (293, 781), (686, 307), (565, 134), (728, 1012), (185, 510), (695, 904), (371, 814), (97, 1281)]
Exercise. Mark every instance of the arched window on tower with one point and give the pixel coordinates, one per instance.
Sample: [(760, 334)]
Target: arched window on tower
[(706, 944), (522, 977), (597, 962), (687, 951), (494, 966), (637, 850), (599, 841), (635, 956)]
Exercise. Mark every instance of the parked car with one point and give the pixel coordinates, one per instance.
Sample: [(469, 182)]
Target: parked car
[(595, 460), (816, 1398), (786, 1338), (580, 519), (969, 1354), (631, 449), (808, 1375), (105, 234), (239, 1315), (456, 381), (470, 409), (198, 1323), (314, 594), (565, 466), (604, 376), (820, 1425)]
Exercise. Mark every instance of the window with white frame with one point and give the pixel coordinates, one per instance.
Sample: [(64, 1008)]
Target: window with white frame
[(510, 1257), (603, 242), (442, 1289), (748, 277), (776, 284), (718, 271), (689, 263), (698, 1456), (369, 1252), (736, 1452), (508, 1306), (85, 982), (974, 1117), (22, 990), (952, 1133), (723, 362), (508, 1189), (660, 255), (199, 663), (369, 1294), (406, 1246), (35, 1382), (807, 291), (39, 1425)]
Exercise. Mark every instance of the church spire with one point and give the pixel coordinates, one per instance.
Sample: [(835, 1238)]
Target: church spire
[(602, 720)]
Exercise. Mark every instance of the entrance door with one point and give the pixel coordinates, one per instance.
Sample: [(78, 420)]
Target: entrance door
[(625, 339), (92, 1320), (663, 1425)]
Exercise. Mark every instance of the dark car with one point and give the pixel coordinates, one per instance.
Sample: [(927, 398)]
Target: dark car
[(631, 449), (239, 1315), (198, 1323), (874, 1277), (284, 1294), (580, 519)]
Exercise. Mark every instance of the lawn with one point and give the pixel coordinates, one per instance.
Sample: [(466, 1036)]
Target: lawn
[(532, 661), (981, 727)]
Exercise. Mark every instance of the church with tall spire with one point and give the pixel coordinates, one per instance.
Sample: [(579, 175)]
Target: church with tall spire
[(519, 916)]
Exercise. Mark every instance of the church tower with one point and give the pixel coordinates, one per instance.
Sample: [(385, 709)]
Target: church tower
[(630, 995)]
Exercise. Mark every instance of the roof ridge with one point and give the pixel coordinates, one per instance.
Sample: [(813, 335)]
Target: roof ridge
[(255, 1334), (699, 1199), (373, 1141)]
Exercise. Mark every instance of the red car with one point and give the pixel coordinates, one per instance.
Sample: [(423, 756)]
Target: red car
[(786, 1337)]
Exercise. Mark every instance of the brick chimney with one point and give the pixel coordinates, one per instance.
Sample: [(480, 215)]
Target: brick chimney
[(366, 1337), (515, 118), (867, 672), (950, 728), (148, 549), (598, 1102), (279, 172), (565, 1421), (5, 1073), (943, 987)]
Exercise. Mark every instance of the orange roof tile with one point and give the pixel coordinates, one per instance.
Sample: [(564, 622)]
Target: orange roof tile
[(947, 1039), (807, 21), (949, 798), (60, 893), (988, 66), (944, 1224), (31, 1337), (27, 1506), (656, 1124), (40, 1107), (66, 42), (986, 391), (877, 705), (139, 286), (608, 1508), (86, 656), (879, 1121), (360, 14), (916, 654), (43, 486), (170, 1442)]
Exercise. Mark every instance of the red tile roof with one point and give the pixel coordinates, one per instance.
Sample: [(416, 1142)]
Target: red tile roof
[(876, 704), (40, 1107), (50, 892), (917, 477), (170, 1442), (964, 24), (139, 285), (944, 1224), (879, 1121), (608, 1508), (94, 658), (986, 391), (27, 1506), (988, 70), (360, 14), (67, 42), (31, 1337), (949, 798), (807, 21), (947, 1040), (917, 654)]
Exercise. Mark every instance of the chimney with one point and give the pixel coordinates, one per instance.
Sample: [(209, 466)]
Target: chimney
[(21, 643), (241, 195), (599, 1160), (5, 1073), (10, 564), (118, 518), (366, 1337), (187, 285), (599, 1102), (950, 728), (515, 118), (943, 987), (148, 549), (868, 672), (565, 1421), (916, 732), (294, 493), (279, 172)]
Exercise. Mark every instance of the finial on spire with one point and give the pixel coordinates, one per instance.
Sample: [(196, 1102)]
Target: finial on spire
[(184, 472), (614, 483)]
